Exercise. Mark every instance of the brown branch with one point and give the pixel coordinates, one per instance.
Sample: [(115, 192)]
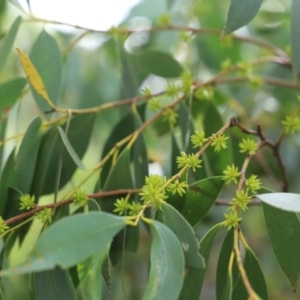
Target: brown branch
[(268, 80), (69, 201), (172, 27), (274, 147)]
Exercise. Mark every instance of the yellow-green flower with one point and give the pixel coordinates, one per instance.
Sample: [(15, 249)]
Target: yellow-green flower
[(121, 205), (134, 208), (248, 145), (3, 225), (241, 200), (231, 220), (291, 124), (190, 160), (170, 116), (198, 138), (45, 215), (80, 198), (253, 184), (178, 187), (219, 142), (152, 192), (27, 202), (230, 174)]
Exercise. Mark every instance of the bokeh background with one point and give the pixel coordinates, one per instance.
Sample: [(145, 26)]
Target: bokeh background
[(98, 68)]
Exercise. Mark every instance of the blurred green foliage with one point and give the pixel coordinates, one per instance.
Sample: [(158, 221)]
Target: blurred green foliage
[(159, 44)]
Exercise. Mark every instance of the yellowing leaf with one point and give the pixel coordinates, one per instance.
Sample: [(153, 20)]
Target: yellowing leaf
[(34, 77)]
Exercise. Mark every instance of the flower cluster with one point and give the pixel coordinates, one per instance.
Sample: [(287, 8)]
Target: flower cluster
[(241, 200), (27, 202), (230, 174), (219, 141), (3, 225), (253, 184), (45, 215), (170, 116), (154, 104), (188, 160), (245, 68), (152, 192), (171, 90), (291, 124), (80, 198), (248, 146), (232, 220), (226, 64), (198, 138), (187, 81), (122, 206), (177, 187), (205, 93), (164, 20)]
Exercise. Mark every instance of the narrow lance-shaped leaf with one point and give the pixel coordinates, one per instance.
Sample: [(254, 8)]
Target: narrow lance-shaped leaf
[(10, 92), (90, 274), (34, 77), (226, 278), (240, 13), (185, 234), (167, 264), (284, 230), (255, 276), (71, 150), (119, 177), (87, 233), (295, 40), (53, 284), (194, 278), (45, 55), (9, 41), (284, 201), (200, 198)]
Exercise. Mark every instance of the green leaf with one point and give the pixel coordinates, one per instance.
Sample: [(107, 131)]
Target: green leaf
[(18, 172), (71, 150), (295, 41), (123, 128), (174, 154), (225, 280), (2, 136), (46, 57), (86, 232), (120, 178), (140, 157), (159, 63), (167, 264), (90, 275), (284, 201), (284, 230), (9, 41), (54, 284), (194, 277), (240, 13), (185, 234), (79, 134), (255, 276), (10, 92), (198, 199)]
